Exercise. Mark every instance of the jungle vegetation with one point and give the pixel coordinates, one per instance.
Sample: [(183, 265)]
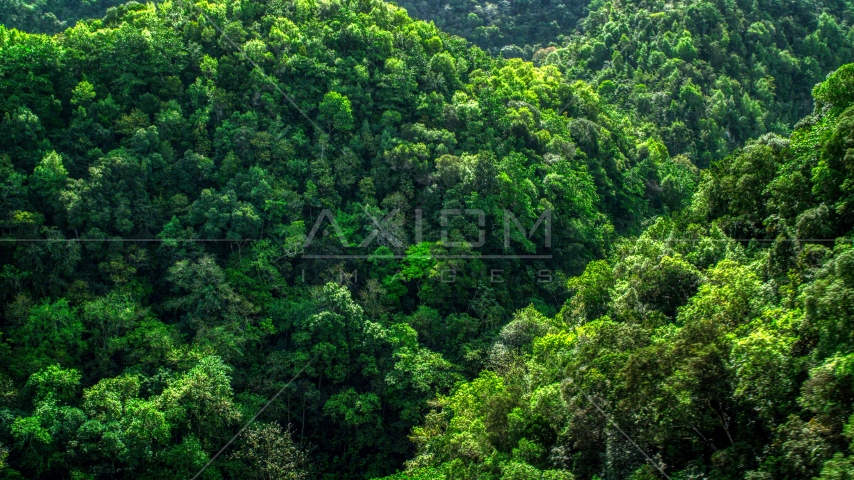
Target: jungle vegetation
[(471, 266)]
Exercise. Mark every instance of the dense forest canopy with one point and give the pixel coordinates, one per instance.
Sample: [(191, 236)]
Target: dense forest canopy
[(472, 266), (704, 76), (511, 28), (690, 351), (50, 16), (161, 188), (708, 75)]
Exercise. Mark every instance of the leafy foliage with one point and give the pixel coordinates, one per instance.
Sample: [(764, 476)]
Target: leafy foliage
[(511, 28), (709, 75), (167, 198), (205, 201), (50, 16), (718, 341)]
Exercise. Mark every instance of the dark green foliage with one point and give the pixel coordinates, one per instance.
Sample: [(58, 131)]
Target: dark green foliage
[(708, 75), (703, 76), (50, 16), (162, 193), (510, 28), (719, 340), (198, 206)]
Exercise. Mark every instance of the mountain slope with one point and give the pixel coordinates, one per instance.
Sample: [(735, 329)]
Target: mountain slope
[(51, 16), (512, 28), (718, 344), (182, 233), (708, 76)]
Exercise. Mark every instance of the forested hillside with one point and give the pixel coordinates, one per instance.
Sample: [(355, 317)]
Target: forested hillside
[(445, 263), (718, 344), (174, 222), (50, 16), (708, 75), (511, 28), (704, 76)]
